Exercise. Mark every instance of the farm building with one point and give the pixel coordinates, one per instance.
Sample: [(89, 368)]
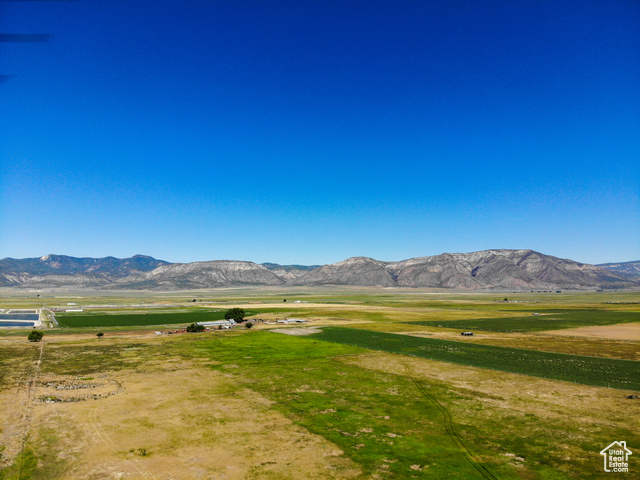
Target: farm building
[(218, 323), (291, 320)]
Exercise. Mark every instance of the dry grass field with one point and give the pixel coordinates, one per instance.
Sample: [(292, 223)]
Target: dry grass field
[(153, 417), (624, 331), (249, 404)]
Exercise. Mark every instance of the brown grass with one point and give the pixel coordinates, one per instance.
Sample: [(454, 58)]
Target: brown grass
[(621, 331), (545, 398), (169, 419)]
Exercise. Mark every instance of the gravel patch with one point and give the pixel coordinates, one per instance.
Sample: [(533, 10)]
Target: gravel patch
[(297, 331)]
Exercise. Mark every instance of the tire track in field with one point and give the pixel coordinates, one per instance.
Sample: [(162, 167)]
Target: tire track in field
[(31, 387), (448, 425), (106, 439)]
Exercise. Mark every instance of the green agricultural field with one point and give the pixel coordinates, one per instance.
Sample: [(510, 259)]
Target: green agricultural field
[(74, 320), (401, 426), (605, 372), (379, 420), (554, 319)]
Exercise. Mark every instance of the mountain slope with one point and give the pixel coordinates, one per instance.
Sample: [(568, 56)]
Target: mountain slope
[(363, 271), (217, 273), (623, 268), (512, 269)]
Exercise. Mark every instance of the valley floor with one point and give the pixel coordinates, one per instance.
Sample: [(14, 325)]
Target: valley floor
[(251, 404)]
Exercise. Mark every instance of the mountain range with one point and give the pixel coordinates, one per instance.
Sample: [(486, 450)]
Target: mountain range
[(488, 269)]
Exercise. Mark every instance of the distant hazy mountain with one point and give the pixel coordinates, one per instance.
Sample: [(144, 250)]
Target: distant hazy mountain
[(289, 268), (61, 270), (289, 273), (499, 269), (625, 268)]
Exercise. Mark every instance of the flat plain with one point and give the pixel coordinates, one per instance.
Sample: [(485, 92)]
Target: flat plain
[(337, 403)]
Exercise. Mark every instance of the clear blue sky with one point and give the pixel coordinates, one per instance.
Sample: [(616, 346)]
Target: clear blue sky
[(308, 132)]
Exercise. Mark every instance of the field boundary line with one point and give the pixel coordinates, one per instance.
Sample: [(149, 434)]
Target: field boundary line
[(31, 385)]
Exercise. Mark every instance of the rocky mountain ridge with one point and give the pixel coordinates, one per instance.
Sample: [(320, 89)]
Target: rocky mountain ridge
[(488, 269)]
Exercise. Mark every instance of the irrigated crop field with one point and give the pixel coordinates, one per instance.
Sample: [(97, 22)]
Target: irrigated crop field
[(541, 320), (369, 396), (605, 372), (103, 319)]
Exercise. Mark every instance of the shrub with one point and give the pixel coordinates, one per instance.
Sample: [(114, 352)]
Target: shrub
[(35, 336), (194, 327)]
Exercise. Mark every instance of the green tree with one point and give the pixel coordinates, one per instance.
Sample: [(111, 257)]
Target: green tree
[(248, 324), (236, 314), (194, 327), (35, 336), (100, 335)]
